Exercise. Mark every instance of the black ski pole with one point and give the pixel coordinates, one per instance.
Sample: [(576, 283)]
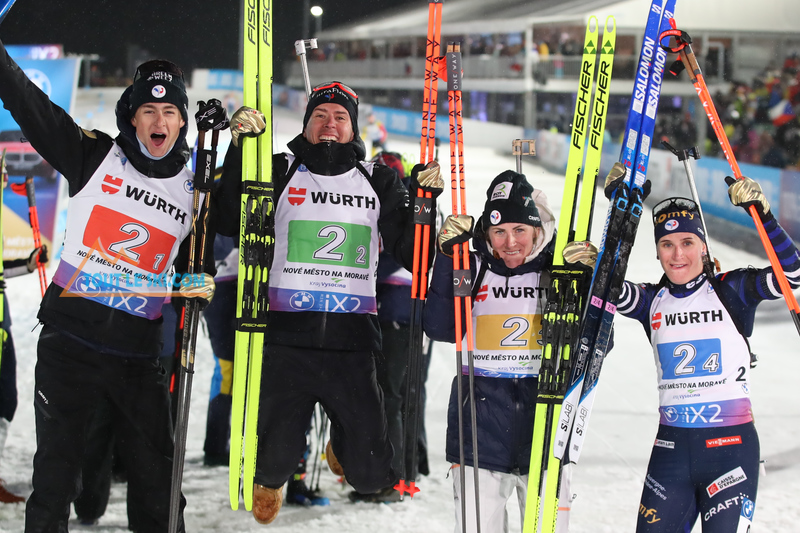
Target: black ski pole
[(207, 118)]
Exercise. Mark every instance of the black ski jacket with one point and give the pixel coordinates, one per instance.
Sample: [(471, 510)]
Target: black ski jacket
[(335, 331), (76, 153)]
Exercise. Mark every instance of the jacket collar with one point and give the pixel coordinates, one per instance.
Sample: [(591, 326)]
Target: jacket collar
[(328, 158)]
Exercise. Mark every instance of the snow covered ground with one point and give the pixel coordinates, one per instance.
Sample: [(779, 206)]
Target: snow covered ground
[(607, 480)]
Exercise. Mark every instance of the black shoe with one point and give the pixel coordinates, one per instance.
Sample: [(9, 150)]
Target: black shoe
[(385, 495), (298, 493), (88, 521)]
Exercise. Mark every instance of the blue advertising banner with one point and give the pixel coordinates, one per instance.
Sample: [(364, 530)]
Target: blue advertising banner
[(58, 79), (709, 174), (35, 51)]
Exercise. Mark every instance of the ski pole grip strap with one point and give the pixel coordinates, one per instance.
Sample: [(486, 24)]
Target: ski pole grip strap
[(204, 175), (682, 40), (462, 283)]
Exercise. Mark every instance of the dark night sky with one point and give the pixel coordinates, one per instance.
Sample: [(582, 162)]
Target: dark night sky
[(201, 33)]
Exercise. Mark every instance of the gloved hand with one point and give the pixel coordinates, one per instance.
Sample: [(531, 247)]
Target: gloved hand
[(211, 116), (428, 178), (38, 255), (248, 122), (583, 252), (455, 230), (202, 290), (616, 179), (746, 192)]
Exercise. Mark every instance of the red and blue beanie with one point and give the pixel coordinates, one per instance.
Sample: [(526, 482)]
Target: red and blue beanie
[(334, 92)]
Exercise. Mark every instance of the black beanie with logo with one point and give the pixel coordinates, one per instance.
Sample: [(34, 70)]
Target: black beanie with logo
[(508, 199), (334, 92), (159, 81)]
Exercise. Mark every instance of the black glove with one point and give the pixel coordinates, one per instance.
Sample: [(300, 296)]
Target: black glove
[(746, 192), (38, 255), (211, 116), (455, 230), (646, 189), (428, 178)]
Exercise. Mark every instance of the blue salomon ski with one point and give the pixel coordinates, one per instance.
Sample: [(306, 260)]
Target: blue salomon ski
[(624, 213)]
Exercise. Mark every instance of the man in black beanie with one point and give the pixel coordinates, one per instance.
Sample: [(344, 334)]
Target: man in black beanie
[(128, 224), (332, 212)]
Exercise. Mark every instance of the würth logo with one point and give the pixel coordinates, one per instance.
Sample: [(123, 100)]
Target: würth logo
[(483, 293), (296, 196), (111, 184), (655, 323)]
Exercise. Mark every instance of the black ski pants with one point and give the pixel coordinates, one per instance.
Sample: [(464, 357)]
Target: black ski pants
[(344, 383), (72, 379), (8, 369)]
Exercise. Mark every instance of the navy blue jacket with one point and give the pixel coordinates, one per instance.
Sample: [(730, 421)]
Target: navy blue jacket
[(505, 406)]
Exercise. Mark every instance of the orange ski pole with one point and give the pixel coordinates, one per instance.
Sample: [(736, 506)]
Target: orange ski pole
[(28, 190), (462, 276), (689, 60)]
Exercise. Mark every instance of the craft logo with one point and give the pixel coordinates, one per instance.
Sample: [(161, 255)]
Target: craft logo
[(501, 191), (483, 293), (734, 477), (111, 184), (723, 441), (296, 196), (655, 323)]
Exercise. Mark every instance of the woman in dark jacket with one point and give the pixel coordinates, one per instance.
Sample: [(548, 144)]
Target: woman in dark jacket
[(513, 243)]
